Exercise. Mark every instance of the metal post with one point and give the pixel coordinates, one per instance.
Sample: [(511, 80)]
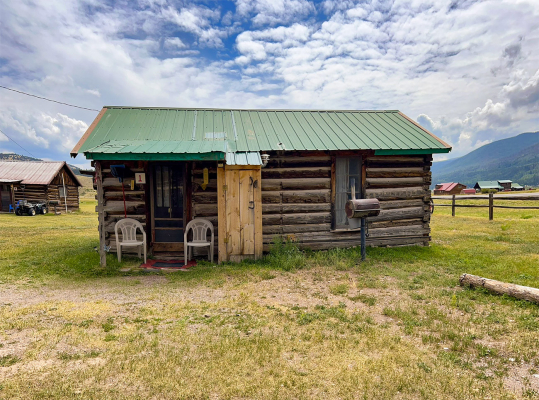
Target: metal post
[(490, 206), (363, 240), (65, 191), (453, 206)]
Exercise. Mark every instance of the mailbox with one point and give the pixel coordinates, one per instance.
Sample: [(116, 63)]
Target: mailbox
[(361, 208), (357, 210)]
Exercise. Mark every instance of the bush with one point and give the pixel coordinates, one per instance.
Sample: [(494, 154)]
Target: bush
[(285, 254), (487, 191)]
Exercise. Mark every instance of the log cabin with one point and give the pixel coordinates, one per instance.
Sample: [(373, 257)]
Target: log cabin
[(257, 174), (38, 181)]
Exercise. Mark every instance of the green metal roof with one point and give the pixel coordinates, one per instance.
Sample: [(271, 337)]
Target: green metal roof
[(174, 131), (515, 185), (243, 158), (505, 181), (488, 185)]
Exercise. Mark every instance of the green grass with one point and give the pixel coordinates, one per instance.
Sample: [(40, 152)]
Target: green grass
[(293, 325)]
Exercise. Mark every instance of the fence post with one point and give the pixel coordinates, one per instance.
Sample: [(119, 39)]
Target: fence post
[(490, 206), (453, 206)]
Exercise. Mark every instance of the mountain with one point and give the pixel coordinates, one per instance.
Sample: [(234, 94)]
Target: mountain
[(515, 158), (18, 157)]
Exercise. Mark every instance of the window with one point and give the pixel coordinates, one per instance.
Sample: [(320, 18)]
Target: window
[(347, 176), (61, 192)]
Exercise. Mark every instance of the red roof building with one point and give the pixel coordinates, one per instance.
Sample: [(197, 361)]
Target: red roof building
[(449, 188)]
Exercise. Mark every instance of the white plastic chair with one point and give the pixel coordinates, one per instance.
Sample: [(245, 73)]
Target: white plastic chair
[(129, 228), (200, 227)]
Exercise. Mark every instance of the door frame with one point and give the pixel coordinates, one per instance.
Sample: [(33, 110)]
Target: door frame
[(223, 229), (169, 246)]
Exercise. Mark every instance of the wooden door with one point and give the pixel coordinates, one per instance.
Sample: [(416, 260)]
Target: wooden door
[(240, 214), (168, 207)]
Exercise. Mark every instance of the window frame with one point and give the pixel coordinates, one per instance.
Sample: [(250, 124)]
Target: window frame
[(340, 196), (61, 193)]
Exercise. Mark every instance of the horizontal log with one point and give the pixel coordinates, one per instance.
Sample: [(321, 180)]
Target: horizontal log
[(296, 184), (400, 222), (397, 193), (396, 231), (397, 159), (117, 208), (119, 193), (371, 242), (107, 170), (295, 208), (509, 289), (399, 213), (300, 172), (114, 182), (114, 218), (397, 172), (117, 203), (205, 210), (388, 204), (204, 198), (288, 229), (299, 161), (395, 182), (297, 196), (291, 219)]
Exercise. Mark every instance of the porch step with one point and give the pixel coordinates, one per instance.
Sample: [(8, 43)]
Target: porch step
[(168, 255)]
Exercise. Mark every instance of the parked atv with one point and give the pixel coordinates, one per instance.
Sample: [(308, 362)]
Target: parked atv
[(24, 207)]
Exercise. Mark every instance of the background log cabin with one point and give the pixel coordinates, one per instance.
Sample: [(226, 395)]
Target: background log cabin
[(38, 181), (200, 163)]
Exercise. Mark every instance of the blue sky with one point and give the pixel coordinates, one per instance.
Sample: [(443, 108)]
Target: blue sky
[(466, 70)]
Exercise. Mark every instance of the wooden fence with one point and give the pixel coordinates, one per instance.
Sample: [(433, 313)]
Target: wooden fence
[(491, 206)]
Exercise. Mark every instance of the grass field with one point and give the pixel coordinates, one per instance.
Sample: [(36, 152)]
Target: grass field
[(294, 325)]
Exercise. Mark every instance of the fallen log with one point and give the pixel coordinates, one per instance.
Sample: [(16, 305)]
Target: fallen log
[(510, 289)]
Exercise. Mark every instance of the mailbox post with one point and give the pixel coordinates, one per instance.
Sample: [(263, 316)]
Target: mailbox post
[(362, 208)]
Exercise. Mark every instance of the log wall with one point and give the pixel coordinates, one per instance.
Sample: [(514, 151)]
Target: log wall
[(297, 200), (135, 200), (204, 201)]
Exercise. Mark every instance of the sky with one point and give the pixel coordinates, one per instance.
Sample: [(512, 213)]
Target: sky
[(466, 70)]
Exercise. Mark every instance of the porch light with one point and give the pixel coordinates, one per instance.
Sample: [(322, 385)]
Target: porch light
[(265, 159)]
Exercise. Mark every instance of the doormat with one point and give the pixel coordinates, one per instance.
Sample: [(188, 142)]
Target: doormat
[(168, 265)]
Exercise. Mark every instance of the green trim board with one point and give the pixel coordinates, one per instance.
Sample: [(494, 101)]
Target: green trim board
[(214, 156), (137, 130), (409, 152)]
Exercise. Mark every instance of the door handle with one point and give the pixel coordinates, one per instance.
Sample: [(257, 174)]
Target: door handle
[(251, 205)]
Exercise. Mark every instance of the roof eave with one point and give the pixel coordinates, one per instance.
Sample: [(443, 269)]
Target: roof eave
[(396, 152), (427, 131), (212, 156), (87, 134)]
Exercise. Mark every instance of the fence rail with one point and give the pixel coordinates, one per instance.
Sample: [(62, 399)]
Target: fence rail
[(490, 197)]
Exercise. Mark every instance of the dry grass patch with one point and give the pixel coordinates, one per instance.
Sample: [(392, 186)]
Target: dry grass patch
[(295, 325)]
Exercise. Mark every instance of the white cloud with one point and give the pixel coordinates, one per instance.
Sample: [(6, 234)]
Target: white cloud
[(274, 12), (43, 130), (470, 68)]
